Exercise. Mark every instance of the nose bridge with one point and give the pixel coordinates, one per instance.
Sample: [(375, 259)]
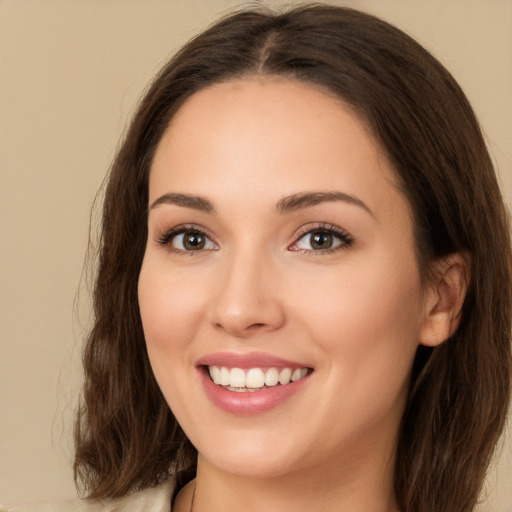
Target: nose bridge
[(247, 300)]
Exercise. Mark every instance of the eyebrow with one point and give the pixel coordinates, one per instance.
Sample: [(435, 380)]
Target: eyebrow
[(295, 202), (185, 201), (285, 205)]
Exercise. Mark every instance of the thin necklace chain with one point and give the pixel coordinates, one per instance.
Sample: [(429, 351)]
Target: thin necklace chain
[(193, 496)]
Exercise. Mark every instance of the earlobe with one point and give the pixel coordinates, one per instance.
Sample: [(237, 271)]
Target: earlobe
[(444, 299)]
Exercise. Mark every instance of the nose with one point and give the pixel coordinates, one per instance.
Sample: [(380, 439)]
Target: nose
[(247, 301)]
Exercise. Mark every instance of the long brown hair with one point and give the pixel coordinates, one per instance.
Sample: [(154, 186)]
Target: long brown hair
[(126, 436)]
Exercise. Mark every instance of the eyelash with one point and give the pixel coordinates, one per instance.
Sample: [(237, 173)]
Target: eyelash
[(346, 240), (166, 239)]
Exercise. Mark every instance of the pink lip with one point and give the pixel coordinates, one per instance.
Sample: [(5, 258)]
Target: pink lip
[(244, 361), (248, 403)]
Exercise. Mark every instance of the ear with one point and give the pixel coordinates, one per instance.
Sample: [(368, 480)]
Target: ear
[(444, 299)]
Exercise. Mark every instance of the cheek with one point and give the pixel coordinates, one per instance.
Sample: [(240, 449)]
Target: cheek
[(367, 320), (167, 302), (371, 299), (170, 308)]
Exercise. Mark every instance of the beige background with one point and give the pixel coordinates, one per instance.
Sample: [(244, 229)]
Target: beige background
[(70, 74)]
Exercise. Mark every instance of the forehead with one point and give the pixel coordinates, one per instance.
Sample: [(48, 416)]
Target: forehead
[(271, 136), (274, 103)]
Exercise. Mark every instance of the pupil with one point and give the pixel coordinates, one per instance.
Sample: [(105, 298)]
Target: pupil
[(321, 241), (194, 241)]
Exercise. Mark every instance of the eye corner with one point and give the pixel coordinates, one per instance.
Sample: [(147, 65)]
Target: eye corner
[(332, 237), (175, 242)]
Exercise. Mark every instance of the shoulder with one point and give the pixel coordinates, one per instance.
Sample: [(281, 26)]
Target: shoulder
[(157, 499)]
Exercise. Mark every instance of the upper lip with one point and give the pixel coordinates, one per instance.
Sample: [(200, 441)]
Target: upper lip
[(249, 360)]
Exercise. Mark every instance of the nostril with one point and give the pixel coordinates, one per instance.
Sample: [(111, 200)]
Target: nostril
[(256, 326), (245, 319)]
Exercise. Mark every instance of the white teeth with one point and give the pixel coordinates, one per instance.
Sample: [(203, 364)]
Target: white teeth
[(255, 378), (224, 376), (285, 376), (296, 375), (215, 374), (271, 377), (237, 379)]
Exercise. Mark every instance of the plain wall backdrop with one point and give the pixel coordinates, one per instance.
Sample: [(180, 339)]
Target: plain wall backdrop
[(71, 72)]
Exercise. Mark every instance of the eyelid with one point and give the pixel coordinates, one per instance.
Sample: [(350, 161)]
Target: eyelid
[(168, 235), (343, 235)]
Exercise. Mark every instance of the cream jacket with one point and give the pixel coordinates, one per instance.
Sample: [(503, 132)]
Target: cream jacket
[(157, 499)]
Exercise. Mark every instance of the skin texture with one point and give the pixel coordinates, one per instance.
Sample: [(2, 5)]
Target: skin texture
[(355, 314)]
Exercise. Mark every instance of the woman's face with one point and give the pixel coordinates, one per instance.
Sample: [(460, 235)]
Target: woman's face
[(279, 248)]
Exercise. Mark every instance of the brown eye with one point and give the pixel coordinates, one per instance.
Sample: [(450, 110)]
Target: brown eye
[(193, 241), (188, 241), (321, 240), (318, 241)]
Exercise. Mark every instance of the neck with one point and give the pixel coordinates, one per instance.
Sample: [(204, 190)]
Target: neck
[(349, 489)]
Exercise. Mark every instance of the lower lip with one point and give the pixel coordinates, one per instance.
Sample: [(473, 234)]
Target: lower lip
[(249, 402)]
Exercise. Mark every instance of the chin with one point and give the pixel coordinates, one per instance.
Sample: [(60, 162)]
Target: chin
[(250, 454), (263, 466)]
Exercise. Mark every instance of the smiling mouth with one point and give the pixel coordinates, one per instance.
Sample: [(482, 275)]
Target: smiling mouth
[(254, 379)]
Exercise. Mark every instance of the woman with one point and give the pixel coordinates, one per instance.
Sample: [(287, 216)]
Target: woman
[(304, 291)]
